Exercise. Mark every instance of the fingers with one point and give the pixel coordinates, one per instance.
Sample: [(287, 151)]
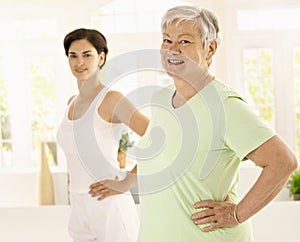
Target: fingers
[(99, 191), (205, 204), (216, 214), (207, 213), (105, 188), (102, 197), (95, 185)]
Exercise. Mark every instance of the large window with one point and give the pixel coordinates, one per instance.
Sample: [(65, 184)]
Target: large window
[(27, 92), (5, 135), (296, 61), (44, 120), (258, 78), (132, 16), (266, 45)]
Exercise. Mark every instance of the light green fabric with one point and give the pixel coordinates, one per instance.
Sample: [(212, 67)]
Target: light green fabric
[(201, 145)]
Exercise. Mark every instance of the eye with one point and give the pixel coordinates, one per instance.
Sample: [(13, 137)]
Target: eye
[(167, 41), (72, 56), (184, 42), (86, 55)]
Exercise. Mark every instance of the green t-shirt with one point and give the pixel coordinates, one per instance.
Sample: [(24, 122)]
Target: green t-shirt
[(192, 153)]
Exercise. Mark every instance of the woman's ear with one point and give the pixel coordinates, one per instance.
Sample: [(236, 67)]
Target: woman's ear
[(101, 59), (213, 45)]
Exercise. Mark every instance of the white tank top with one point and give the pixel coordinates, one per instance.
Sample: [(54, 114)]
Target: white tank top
[(90, 145)]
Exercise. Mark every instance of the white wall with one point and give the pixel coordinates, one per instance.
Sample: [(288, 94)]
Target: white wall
[(275, 223), (34, 224), (19, 189)]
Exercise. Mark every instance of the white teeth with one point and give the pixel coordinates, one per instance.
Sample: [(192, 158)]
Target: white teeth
[(172, 61)]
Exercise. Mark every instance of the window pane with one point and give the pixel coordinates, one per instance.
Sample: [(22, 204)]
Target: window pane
[(261, 19), (42, 83), (123, 7), (105, 24), (139, 16), (296, 62), (125, 23), (258, 77), (28, 29), (5, 135)]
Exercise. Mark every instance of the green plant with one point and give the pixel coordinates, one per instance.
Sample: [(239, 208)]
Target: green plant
[(125, 142), (294, 183)]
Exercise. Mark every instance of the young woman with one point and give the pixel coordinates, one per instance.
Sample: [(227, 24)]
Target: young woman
[(105, 112)]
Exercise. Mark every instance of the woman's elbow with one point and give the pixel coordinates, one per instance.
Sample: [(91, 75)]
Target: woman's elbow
[(291, 162)]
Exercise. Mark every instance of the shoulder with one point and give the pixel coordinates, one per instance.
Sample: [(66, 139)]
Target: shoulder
[(226, 92), (70, 99), (114, 94), (113, 97)]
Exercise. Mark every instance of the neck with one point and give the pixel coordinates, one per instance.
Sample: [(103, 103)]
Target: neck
[(89, 88), (188, 89), (184, 89)]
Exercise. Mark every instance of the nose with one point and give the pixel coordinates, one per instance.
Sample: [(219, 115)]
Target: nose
[(79, 61), (174, 47)]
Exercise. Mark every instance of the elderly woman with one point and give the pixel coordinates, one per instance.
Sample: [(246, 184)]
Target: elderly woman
[(188, 187)]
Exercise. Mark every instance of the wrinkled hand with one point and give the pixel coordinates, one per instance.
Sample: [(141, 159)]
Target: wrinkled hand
[(107, 188), (220, 214)]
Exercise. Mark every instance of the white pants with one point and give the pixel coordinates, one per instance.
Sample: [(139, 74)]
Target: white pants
[(113, 219)]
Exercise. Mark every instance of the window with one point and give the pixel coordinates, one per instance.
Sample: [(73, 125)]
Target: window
[(5, 135), (296, 61), (43, 123), (265, 43), (27, 92), (268, 19), (258, 78), (28, 29), (132, 16)]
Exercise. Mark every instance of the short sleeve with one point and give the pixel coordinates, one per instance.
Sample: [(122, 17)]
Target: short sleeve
[(244, 129)]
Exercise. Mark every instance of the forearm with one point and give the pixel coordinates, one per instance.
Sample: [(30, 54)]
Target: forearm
[(269, 184), (278, 162), (259, 196), (131, 179)]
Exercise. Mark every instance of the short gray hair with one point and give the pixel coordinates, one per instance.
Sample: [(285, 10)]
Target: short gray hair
[(204, 19)]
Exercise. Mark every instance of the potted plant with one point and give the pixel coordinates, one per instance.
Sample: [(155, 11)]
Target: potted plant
[(294, 185), (124, 144)]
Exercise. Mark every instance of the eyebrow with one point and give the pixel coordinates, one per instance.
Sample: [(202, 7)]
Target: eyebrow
[(84, 52), (181, 35)]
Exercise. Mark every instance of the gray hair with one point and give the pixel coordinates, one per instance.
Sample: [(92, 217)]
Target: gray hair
[(204, 19)]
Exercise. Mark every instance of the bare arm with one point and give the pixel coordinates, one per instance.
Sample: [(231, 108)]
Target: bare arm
[(120, 109), (127, 113), (278, 163)]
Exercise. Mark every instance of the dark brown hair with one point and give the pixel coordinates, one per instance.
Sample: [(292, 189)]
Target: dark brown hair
[(96, 38)]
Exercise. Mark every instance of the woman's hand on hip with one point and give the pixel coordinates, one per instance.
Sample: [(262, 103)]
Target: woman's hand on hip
[(218, 214), (106, 188)]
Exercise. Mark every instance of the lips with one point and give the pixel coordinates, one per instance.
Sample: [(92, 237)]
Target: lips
[(80, 70), (175, 61)]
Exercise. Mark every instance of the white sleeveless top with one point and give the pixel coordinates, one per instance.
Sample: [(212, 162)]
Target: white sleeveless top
[(90, 145)]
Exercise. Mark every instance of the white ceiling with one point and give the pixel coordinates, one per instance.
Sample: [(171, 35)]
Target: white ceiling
[(24, 3), (30, 3)]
